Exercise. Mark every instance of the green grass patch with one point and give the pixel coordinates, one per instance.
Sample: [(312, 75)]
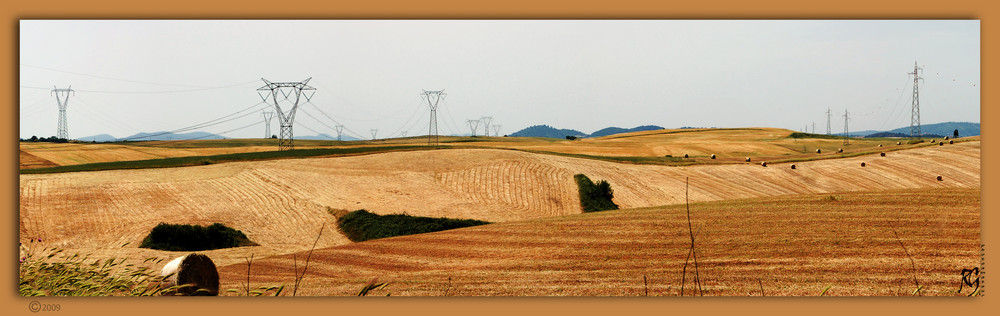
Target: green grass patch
[(207, 160), (362, 225), (179, 237), (595, 197)]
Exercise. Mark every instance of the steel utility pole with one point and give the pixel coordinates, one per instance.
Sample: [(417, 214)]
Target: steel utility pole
[(814, 128), (847, 134), (286, 118), (433, 97), (267, 123), (61, 130), (915, 114)]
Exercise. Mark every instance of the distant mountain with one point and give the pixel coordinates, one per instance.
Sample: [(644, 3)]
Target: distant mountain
[(618, 130), (929, 130), (171, 136), (98, 138), (547, 131)]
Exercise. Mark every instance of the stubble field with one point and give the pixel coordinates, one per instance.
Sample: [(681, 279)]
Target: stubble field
[(283, 204)]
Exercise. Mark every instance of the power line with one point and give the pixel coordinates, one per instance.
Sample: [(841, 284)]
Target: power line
[(204, 124), (126, 80)]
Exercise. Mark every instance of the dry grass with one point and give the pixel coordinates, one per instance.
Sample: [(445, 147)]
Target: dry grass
[(792, 245)]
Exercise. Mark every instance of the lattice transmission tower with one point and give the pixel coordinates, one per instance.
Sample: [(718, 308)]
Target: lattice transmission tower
[(433, 97), (847, 134), (486, 124), (828, 121), (496, 130), (340, 132), (286, 118), (267, 123), (915, 113), (61, 130), (474, 125)]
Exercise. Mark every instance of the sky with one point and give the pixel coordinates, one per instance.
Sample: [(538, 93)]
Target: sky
[(132, 76)]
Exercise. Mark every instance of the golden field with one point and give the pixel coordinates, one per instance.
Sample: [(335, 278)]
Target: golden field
[(772, 222)]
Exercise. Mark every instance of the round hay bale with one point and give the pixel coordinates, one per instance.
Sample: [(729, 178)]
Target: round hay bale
[(882, 154), (192, 268), (941, 144), (818, 151), (713, 156), (763, 164), (932, 141), (685, 155), (946, 138), (748, 159), (951, 142), (793, 167), (840, 150), (899, 143), (939, 178), (862, 164), (880, 145)]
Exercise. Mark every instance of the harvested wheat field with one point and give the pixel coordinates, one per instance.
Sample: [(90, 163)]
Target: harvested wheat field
[(281, 203), (731, 145), (855, 243)]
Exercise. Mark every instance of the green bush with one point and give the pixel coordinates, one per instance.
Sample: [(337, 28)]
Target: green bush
[(177, 237), (595, 197), (362, 225)]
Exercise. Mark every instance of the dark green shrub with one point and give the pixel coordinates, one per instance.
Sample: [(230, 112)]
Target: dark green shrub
[(362, 225), (179, 237), (595, 197)]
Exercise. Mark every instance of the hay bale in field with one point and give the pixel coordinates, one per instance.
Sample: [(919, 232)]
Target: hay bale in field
[(946, 138), (880, 145), (685, 155), (899, 143), (941, 144), (882, 154), (818, 151), (840, 150), (748, 159), (932, 141), (763, 163), (713, 156), (793, 167), (195, 269), (951, 142), (862, 164), (939, 178)]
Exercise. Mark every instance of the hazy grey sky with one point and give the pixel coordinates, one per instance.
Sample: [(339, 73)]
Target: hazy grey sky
[(154, 75)]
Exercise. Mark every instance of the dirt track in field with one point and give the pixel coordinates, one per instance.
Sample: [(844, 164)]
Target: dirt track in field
[(281, 204), (790, 245)]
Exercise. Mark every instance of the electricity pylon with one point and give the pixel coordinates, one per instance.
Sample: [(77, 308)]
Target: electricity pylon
[(474, 125), (286, 118), (496, 130), (433, 97), (61, 129), (267, 123), (486, 124), (340, 131), (847, 134), (915, 113)]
